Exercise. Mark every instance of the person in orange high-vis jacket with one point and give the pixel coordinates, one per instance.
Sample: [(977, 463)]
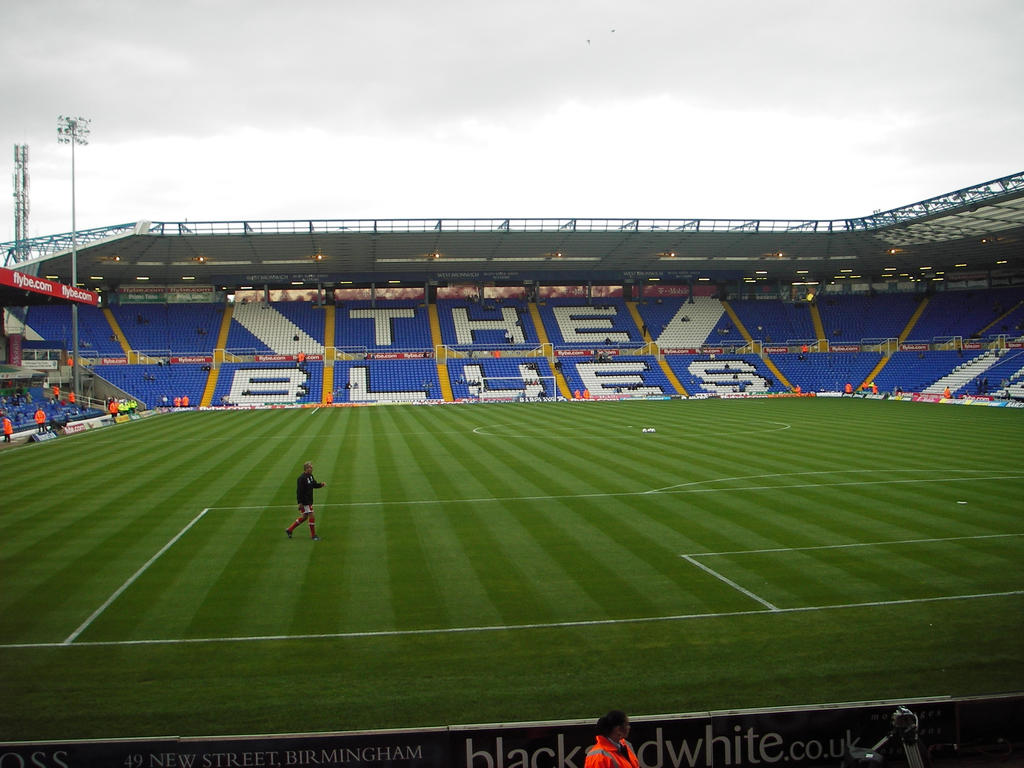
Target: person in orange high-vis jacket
[(611, 750), (184, 401), (71, 397), (848, 389), (8, 430), (113, 407), (946, 393), (40, 418)]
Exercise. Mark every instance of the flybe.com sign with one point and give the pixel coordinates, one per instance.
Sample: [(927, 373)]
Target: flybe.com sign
[(43, 287)]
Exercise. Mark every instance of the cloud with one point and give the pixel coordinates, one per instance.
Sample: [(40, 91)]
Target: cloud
[(364, 108)]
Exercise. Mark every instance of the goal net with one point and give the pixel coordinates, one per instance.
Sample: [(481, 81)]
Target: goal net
[(528, 384)]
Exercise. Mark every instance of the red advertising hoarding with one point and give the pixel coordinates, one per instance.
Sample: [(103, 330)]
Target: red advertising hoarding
[(44, 287)]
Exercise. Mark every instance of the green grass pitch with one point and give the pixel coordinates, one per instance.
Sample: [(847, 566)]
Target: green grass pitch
[(507, 562)]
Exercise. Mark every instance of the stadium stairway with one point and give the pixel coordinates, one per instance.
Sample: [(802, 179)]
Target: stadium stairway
[(327, 387), (442, 362), (904, 335), (749, 339), (538, 325), (222, 342), (119, 334), (641, 326), (999, 319), (819, 327), (646, 336)]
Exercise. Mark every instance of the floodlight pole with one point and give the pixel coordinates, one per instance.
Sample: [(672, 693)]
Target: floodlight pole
[(73, 130)]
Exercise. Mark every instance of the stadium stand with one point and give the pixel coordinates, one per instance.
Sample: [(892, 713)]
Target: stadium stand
[(53, 323), (634, 375), (969, 314), (707, 374), (382, 325), (680, 324), (572, 323), (508, 377), (491, 323), (151, 383), (851, 319), (496, 333), (259, 383), (1008, 371), (774, 321), (21, 409), (826, 371), (280, 328), (170, 329), (390, 381)]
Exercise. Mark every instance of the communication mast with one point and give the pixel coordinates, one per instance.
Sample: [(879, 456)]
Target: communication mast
[(21, 205)]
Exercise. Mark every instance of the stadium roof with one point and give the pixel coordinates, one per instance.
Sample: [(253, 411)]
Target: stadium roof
[(978, 230)]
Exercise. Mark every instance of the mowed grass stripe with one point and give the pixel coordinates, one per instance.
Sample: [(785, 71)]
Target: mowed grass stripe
[(190, 482), (879, 572), (89, 556)]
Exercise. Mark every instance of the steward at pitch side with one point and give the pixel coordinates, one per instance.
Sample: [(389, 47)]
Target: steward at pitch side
[(611, 750)]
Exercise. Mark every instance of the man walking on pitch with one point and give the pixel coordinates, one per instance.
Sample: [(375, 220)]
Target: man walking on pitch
[(304, 495)]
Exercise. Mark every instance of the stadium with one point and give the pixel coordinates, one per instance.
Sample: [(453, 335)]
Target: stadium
[(717, 472)]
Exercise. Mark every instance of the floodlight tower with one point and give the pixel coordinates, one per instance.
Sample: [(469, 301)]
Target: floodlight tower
[(20, 200), (73, 130)]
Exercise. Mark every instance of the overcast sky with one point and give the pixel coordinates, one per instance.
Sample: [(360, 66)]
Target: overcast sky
[(250, 109)]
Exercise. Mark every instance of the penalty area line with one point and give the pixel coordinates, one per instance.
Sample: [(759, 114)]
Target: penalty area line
[(730, 582), (131, 580), (512, 627)]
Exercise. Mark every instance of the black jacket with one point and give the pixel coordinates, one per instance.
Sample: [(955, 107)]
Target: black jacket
[(304, 488)]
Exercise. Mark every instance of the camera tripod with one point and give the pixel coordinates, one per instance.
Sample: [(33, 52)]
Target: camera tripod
[(904, 733)]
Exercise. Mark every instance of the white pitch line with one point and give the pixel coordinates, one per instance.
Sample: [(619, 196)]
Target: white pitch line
[(730, 582), (673, 490), (848, 546), (796, 474), (511, 627), (131, 580)]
